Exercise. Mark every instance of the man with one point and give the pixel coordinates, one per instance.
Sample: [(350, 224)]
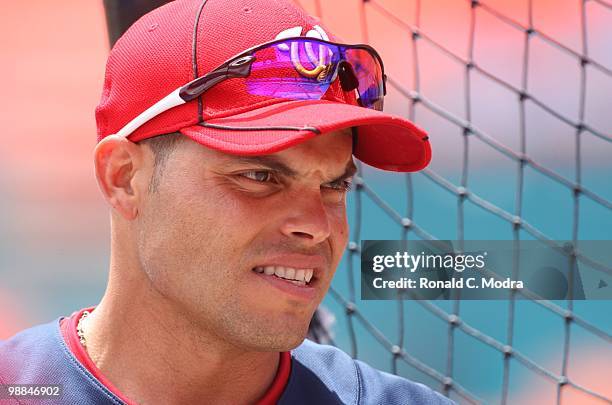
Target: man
[(226, 133)]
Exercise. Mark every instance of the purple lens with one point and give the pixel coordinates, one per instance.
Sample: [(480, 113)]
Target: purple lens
[(303, 69), (294, 69), (369, 74)]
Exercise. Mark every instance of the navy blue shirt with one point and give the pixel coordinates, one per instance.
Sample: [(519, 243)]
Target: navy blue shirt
[(319, 374)]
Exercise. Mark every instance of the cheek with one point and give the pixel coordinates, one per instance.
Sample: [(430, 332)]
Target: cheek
[(218, 225), (185, 229)]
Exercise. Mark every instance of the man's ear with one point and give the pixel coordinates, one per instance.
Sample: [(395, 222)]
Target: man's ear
[(120, 165)]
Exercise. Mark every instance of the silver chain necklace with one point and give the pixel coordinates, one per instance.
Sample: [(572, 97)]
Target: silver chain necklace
[(80, 332)]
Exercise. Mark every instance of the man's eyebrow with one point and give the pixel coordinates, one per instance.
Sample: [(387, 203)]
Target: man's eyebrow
[(270, 162), (275, 163)]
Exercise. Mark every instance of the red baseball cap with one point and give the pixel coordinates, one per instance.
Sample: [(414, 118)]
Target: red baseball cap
[(185, 39)]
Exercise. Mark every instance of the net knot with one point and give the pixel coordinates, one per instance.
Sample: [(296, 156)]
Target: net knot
[(396, 350), (454, 320), (570, 249)]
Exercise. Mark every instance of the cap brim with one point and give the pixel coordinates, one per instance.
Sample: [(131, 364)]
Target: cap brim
[(384, 141)]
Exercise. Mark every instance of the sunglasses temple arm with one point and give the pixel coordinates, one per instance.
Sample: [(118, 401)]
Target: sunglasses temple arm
[(188, 92), (199, 86), (170, 101)]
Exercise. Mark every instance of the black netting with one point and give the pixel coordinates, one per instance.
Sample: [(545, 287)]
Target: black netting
[(464, 195)]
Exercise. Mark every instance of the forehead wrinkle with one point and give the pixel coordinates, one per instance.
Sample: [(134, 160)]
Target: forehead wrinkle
[(349, 170)]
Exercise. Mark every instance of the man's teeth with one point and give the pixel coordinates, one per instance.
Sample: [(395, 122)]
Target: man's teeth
[(288, 273)]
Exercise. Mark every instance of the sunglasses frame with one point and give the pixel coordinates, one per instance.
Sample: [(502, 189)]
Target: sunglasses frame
[(238, 66)]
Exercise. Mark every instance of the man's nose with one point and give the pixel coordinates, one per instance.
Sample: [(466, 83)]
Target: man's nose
[(307, 218)]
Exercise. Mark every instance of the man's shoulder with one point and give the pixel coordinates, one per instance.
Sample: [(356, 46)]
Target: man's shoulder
[(330, 373), (38, 355), (28, 342), (27, 352)]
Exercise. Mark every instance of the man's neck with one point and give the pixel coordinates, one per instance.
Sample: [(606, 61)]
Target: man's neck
[(153, 353)]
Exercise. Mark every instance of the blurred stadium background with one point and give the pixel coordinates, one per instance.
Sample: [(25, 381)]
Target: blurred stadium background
[(54, 224)]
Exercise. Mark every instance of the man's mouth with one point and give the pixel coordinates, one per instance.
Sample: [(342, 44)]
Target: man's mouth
[(300, 277)]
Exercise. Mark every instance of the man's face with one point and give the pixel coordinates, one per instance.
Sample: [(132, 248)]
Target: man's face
[(218, 225)]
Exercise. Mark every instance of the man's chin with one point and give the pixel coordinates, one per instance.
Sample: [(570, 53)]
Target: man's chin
[(284, 346), (278, 342)]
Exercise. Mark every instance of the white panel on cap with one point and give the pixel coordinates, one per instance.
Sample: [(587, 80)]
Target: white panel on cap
[(288, 33)]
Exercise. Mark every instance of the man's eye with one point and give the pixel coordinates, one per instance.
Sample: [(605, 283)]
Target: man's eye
[(340, 185), (259, 176)]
